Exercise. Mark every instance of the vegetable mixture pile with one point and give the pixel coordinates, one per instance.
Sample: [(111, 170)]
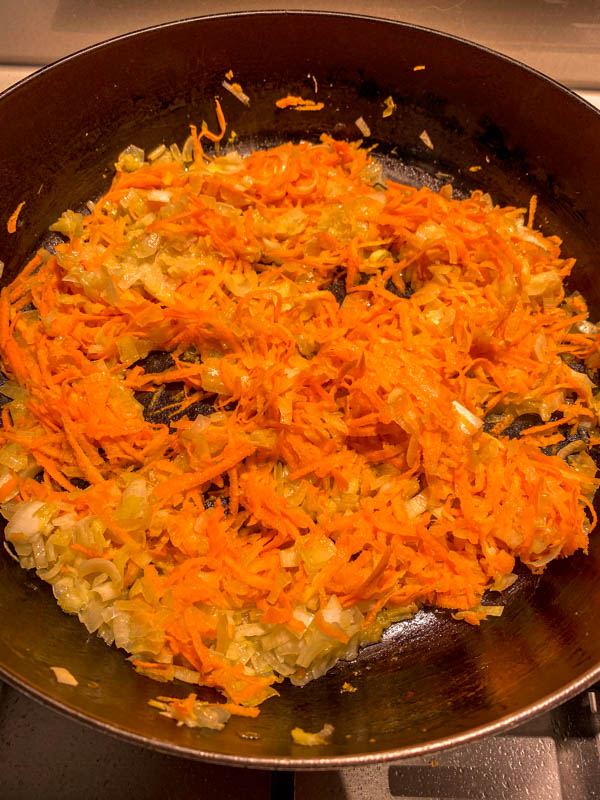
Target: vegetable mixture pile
[(259, 405)]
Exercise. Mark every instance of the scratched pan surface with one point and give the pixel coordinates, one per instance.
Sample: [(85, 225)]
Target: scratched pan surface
[(432, 682)]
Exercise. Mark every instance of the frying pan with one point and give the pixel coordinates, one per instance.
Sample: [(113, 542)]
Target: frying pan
[(433, 682)]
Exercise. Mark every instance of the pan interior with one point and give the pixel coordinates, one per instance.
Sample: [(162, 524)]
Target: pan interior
[(431, 680)]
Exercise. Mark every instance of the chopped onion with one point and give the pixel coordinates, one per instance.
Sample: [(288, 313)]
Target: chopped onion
[(13, 390), (187, 151), (415, 506), (540, 563), (332, 612), (548, 281), (582, 326), (107, 591), (303, 616), (527, 235), (503, 582), (307, 739), (187, 675), (252, 629), (24, 521), (362, 126), (237, 93), (159, 195), (468, 422), (424, 137), (539, 347), (288, 558), (390, 107), (100, 565), (38, 548), (157, 152), (492, 611), (64, 676)]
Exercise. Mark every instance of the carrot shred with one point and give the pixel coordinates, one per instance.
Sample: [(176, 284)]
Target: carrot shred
[(532, 210), (8, 486), (11, 225), (299, 103), (331, 630), (241, 711)]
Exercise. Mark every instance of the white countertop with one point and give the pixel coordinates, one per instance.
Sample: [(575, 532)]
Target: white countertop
[(591, 97), (10, 75)]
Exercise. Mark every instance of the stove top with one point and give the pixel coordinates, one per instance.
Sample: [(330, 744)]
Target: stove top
[(553, 757)]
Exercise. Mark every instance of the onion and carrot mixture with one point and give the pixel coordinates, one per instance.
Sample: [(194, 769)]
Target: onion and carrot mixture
[(341, 356)]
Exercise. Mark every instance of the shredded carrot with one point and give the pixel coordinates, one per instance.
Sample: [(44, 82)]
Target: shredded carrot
[(9, 486), (11, 225), (205, 133), (532, 210), (85, 550), (233, 491), (298, 103), (240, 711), (269, 396), (330, 630)]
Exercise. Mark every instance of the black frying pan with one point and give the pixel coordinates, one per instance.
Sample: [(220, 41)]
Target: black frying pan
[(433, 682)]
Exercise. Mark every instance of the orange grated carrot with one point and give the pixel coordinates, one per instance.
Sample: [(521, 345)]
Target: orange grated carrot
[(299, 103), (11, 225)]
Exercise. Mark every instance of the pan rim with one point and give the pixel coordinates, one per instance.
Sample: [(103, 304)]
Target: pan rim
[(309, 762), (294, 763)]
